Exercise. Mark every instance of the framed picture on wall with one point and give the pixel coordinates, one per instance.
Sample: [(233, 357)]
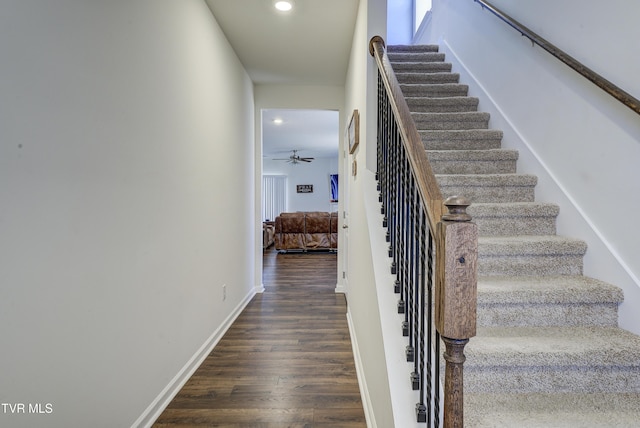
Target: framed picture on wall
[(304, 188), (353, 131), (333, 187)]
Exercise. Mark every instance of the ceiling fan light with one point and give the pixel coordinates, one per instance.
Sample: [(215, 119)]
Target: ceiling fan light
[(283, 5)]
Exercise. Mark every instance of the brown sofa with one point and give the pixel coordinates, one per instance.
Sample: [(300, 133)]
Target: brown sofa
[(305, 231), (268, 234)]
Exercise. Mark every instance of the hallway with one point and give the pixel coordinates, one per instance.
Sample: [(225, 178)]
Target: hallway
[(285, 362)]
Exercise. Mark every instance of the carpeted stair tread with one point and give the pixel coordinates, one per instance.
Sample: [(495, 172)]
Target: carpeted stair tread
[(530, 255), (473, 155), (442, 104), (427, 78), (514, 218), (520, 209), (489, 187), (434, 90), (455, 120), (530, 245), (496, 180), (572, 289), (553, 359), (494, 410), (415, 57), (467, 139), (553, 346), (413, 48), (569, 300), (424, 67), (498, 161)]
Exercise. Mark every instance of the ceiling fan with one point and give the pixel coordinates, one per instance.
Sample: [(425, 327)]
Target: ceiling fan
[(295, 159)]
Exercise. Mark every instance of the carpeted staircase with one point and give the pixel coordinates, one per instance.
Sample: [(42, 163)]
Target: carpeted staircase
[(548, 352)]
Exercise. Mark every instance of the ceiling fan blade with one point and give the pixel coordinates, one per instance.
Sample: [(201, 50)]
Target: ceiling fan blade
[(294, 158)]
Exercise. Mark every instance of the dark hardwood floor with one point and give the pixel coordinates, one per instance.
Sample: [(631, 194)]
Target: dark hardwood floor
[(285, 362)]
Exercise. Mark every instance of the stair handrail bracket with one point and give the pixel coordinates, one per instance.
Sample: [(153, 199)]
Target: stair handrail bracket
[(433, 245)]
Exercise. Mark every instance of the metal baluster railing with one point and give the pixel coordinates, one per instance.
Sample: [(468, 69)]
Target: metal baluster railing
[(419, 238)]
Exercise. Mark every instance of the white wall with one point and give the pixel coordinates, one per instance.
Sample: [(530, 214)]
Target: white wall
[(315, 173), (583, 145), (364, 317), (400, 22), (125, 129)]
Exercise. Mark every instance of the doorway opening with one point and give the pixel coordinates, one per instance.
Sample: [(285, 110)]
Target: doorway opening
[(300, 164), (301, 147)]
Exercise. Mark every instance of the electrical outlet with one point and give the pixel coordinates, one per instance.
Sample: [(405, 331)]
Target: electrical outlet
[(224, 292)]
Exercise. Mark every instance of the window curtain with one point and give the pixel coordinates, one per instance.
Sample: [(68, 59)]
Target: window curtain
[(274, 196)]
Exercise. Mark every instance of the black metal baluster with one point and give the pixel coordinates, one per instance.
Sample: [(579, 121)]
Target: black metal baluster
[(415, 331), (421, 407), (411, 250), (400, 238), (433, 337)]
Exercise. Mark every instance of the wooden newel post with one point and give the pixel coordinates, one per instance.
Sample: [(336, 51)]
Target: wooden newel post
[(456, 299)]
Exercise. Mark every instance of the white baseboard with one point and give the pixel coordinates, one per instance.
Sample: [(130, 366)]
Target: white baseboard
[(158, 405), (362, 382)]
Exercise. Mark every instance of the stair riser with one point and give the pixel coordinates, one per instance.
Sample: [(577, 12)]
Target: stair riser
[(542, 379), (444, 90), (474, 167), (415, 57), (434, 140), (469, 121), (442, 105), (421, 67), (427, 78), (536, 410), (413, 48), (437, 144), (477, 194), (467, 124), (505, 226), (518, 315), (523, 265)]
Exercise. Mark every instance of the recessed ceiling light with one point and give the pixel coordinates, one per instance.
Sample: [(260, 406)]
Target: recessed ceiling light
[(277, 121), (283, 5)]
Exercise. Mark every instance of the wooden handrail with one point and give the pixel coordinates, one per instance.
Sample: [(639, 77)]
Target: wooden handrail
[(604, 84), (426, 180)]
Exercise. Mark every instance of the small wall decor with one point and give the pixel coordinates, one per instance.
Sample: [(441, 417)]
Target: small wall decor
[(353, 131), (333, 187), (304, 188)]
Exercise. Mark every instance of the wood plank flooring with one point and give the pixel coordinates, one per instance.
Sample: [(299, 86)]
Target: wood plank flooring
[(285, 362)]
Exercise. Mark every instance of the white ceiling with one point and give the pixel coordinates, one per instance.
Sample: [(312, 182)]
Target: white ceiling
[(315, 133), (308, 46)]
